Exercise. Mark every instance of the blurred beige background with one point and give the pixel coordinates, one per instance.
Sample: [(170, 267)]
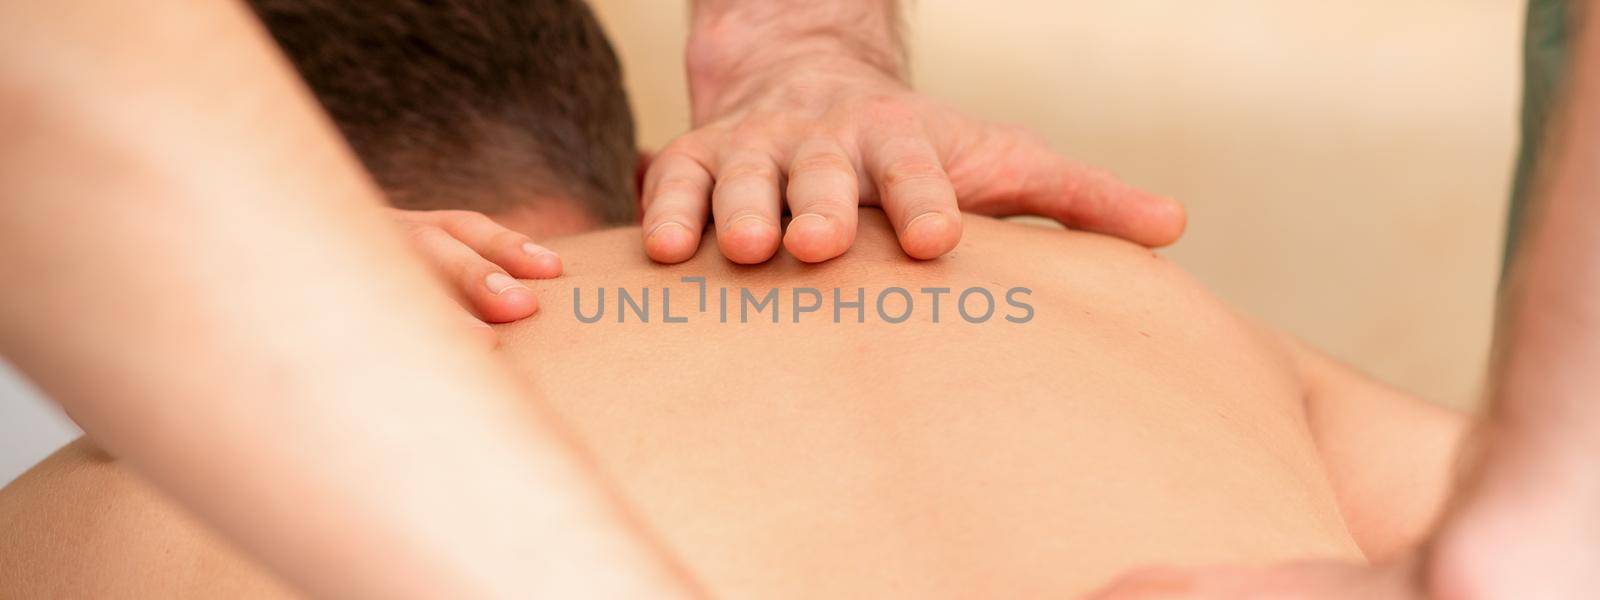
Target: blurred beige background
[(1345, 164)]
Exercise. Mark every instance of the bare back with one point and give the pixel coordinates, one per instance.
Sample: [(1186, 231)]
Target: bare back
[(1125, 417), (1132, 419)]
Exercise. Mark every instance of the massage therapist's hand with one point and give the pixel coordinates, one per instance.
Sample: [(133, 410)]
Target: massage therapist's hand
[(480, 261), (804, 104)]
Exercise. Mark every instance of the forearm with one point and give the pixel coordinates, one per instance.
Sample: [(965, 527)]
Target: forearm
[(1549, 333), (733, 42), (1523, 522), (202, 279)]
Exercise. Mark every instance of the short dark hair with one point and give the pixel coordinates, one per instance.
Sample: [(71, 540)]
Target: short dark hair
[(477, 104)]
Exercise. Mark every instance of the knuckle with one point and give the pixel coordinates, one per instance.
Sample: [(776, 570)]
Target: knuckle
[(472, 270), (913, 171), (821, 163), (760, 126), (749, 132), (914, 202), (688, 147), (915, 207), (760, 213), (829, 204), (749, 171), (828, 129), (884, 107), (676, 184), (509, 239)]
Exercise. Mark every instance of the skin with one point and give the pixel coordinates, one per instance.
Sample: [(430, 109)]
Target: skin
[(318, 301), (979, 461), (804, 105), (281, 325), (1545, 426), (480, 258), (481, 261), (1134, 419)]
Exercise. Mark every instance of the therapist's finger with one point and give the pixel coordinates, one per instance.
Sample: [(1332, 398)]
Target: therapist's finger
[(515, 252), (485, 289), (823, 196), (916, 195), (677, 198), (745, 205), (1036, 180), (1091, 199)]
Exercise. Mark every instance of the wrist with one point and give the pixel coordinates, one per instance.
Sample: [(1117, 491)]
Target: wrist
[(804, 80), (731, 53)]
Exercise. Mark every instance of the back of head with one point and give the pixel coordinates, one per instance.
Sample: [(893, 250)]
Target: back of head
[(476, 104)]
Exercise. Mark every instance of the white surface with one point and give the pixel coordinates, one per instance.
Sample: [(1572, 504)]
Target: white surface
[(30, 426)]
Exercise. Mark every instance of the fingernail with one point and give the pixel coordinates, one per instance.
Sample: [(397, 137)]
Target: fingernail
[(547, 260), (930, 235), (749, 223), (930, 218), (809, 217), (670, 231), (544, 258), (662, 228), (532, 249), (810, 225), (932, 224), (500, 283)]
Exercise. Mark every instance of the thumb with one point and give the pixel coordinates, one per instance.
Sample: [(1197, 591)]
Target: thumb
[(1013, 172)]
